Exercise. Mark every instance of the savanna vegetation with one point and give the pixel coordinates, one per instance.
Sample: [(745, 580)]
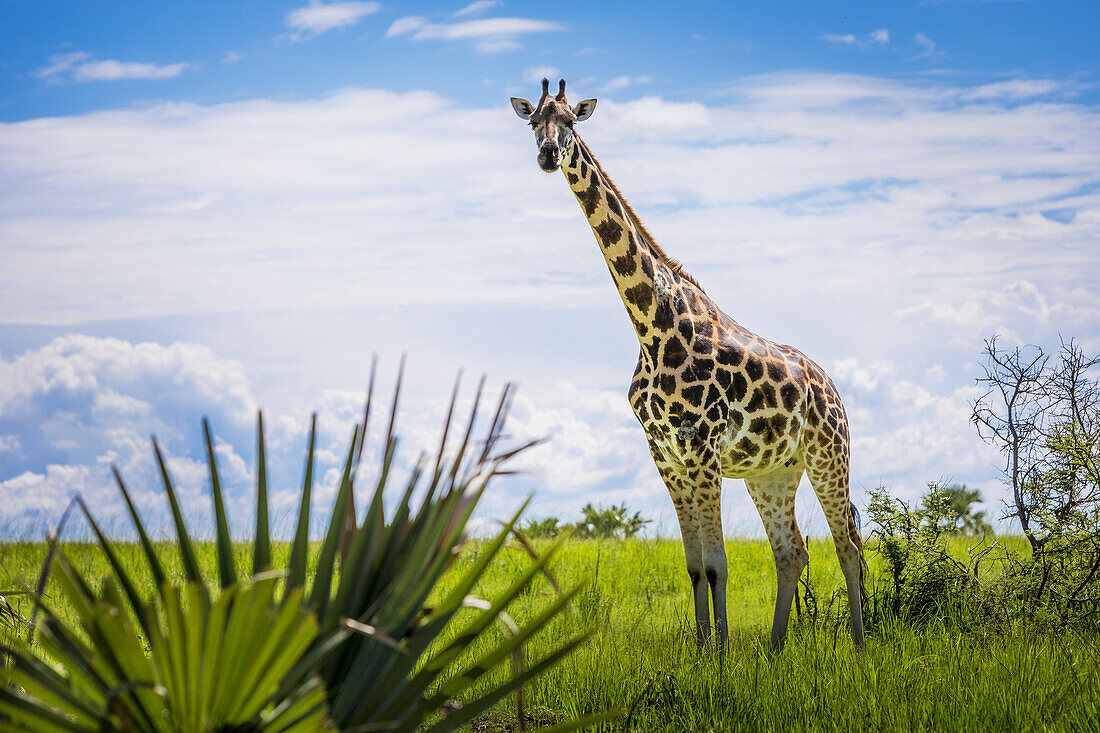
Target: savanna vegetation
[(400, 622)]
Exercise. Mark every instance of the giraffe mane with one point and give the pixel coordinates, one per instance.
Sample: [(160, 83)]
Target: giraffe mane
[(672, 263)]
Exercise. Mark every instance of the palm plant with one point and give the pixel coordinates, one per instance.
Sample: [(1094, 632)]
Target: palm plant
[(360, 647)]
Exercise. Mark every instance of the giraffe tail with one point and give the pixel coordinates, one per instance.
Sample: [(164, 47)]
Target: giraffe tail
[(857, 540)]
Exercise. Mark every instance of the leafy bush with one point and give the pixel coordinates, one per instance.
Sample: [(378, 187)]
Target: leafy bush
[(924, 583), (271, 652)]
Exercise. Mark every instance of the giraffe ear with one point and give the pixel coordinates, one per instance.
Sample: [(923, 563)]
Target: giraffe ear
[(522, 107), (584, 109)]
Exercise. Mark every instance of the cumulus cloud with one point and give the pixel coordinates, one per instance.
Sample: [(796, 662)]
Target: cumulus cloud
[(906, 434), (82, 67), (319, 17), (490, 35), (80, 404)]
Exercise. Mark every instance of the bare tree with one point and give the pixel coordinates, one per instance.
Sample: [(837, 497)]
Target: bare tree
[(1010, 416), (1043, 412), (1073, 440)]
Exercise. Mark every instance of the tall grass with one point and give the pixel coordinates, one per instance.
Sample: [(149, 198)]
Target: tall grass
[(643, 660)]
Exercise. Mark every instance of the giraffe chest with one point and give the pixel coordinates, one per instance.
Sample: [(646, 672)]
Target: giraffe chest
[(681, 414)]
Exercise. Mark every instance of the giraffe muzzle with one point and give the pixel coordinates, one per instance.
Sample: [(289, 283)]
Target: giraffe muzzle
[(549, 158)]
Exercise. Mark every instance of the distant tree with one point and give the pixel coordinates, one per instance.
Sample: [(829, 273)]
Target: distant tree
[(606, 522), (960, 515), (546, 528), (613, 522)]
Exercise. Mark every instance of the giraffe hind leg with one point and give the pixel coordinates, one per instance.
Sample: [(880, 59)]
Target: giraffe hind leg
[(827, 469), (773, 495)]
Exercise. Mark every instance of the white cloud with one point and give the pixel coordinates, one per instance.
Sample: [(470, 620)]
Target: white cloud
[(80, 404), (477, 7), (905, 435), (895, 176), (1017, 89), (114, 70), (879, 37), (503, 45), (972, 314), (907, 220), (622, 82), (926, 45), (61, 63), (318, 17), (491, 35), (537, 73), (80, 66), (231, 57)]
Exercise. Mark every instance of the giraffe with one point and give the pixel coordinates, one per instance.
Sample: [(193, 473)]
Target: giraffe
[(714, 399)]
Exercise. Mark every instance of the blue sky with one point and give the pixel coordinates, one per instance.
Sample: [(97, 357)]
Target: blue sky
[(686, 50), (210, 207)]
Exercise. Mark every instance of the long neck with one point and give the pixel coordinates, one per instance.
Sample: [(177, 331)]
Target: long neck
[(645, 277)]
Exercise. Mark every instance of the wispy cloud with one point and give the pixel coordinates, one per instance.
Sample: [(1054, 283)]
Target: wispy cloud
[(879, 37), (1018, 89), (231, 57), (490, 35), (477, 7), (83, 67), (536, 74), (926, 46), (317, 17), (622, 82)]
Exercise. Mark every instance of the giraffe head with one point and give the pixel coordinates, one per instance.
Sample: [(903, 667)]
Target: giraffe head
[(553, 120)]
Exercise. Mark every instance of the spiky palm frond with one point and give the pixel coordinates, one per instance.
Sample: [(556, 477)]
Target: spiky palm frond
[(359, 637), (211, 664)]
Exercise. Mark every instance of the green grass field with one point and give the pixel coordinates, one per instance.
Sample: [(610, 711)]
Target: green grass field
[(643, 660)]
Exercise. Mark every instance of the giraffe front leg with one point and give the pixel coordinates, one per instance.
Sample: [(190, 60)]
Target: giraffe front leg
[(709, 501), (687, 512), (688, 516)]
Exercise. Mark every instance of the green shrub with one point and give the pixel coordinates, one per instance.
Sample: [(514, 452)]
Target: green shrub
[(923, 582)]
